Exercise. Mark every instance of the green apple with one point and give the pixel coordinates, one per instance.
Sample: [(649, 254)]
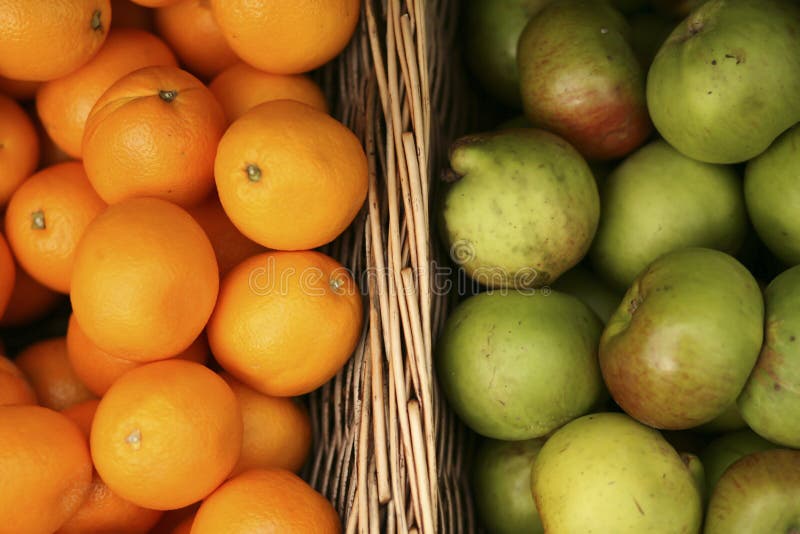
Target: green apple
[(491, 31), (758, 494), (726, 449), (582, 283), (772, 192), (501, 486), (518, 365), (524, 209), (770, 402), (678, 350), (607, 473), (698, 471), (657, 201), (580, 78), (725, 83)]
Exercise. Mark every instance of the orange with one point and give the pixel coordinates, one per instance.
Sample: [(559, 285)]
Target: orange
[(49, 153), (45, 469), (46, 365), (98, 369), (191, 31), (166, 434), (154, 133), (287, 36), (19, 147), (286, 322), (130, 15), (241, 87), (14, 387), (7, 274), (64, 104), (277, 430), (29, 302), (144, 280), (230, 245), (46, 218), (19, 89), (290, 177), (46, 40), (103, 511), (266, 500)]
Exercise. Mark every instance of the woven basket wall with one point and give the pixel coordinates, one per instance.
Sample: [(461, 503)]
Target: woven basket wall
[(388, 452)]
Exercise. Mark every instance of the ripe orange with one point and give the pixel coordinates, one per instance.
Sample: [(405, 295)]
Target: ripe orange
[(98, 369), (166, 434), (64, 104), (266, 500), (277, 430), (46, 40), (289, 176), (19, 89), (144, 280), (19, 147), (47, 367), (7, 274), (45, 468), (154, 133), (130, 15), (241, 87), (286, 322), (103, 511), (230, 246), (284, 36), (14, 387), (46, 218), (29, 302), (191, 31)]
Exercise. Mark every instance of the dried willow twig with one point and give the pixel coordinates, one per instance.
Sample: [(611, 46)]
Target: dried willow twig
[(388, 452)]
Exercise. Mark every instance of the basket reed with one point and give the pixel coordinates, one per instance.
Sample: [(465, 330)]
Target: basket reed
[(388, 452)]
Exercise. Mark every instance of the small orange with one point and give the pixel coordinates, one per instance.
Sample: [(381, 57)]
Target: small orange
[(103, 511), (144, 281), (166, 434), (286, 322), (191, 31), (230, 245), (46, 218), (50, 153), (266, 500), (45, 468), (29, 302), (130, 15), (240, 87), (7, 274), (19, 147), (46, 40), (98, 369), (19, 89), (277, 430), (47, 367), (14, 387), (289, 176), (64, 104), (154, 133), (286, 36)]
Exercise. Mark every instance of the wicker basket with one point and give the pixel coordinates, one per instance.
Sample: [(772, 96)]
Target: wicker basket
[(388, 452)]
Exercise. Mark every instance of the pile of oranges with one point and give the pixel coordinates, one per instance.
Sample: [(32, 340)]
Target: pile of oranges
[(171, 167)]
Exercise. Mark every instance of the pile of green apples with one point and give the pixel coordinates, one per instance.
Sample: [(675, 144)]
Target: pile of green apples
[(630, 363)]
